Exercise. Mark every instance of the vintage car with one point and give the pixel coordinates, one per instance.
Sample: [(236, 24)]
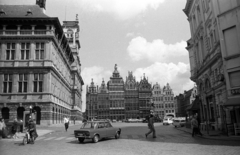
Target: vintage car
[(96, 130), (179, 123), (167, 121)]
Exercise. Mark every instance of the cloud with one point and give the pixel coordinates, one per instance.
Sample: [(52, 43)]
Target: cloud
[(164, 73), (124, 9), (139, 48), (130, 34)]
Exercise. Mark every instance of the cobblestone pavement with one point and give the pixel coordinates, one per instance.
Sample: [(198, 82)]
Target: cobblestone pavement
[(132, 142)]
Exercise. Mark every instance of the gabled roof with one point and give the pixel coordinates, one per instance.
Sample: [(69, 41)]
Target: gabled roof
[(24, 11), (70, 24)]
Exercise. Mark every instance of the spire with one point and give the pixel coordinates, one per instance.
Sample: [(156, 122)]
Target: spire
[(76, 17)]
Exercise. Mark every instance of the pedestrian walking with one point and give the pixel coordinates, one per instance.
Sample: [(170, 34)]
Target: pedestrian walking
[(66, 123), (15, 129), (151, 126), (199, 122), (194, 124), (4, 130), (1, 128)]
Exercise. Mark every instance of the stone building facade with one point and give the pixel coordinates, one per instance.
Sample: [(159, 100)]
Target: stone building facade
[(103, 102), (121, 100), (92, 101), (163, 100), (35, 66), (145, 97), (183, 101), (214, 56), (116, 96), (131, 97)]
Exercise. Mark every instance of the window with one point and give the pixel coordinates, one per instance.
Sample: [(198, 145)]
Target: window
[(39, 51), (211, 40), (7, 83), (38, 83), (231, 41), (22, 83), (234, 79), (25, 48), (10, 52)]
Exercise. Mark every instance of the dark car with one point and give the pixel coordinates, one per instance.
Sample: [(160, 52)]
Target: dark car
[(97, 130)]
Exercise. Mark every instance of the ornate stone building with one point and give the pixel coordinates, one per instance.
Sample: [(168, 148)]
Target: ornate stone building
[(145, 95), (36, 66), (157, 98), (169, 101), (92, 101), (163, 100), (214, 56), (116, 96), (131, 97), (71, 30), (103, 101)]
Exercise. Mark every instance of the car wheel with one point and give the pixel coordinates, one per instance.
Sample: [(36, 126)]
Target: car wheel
[(117, 135), (95, 138), (81, 140)]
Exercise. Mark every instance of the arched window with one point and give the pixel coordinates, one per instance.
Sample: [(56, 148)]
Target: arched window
[(207, 84), (69, 33)]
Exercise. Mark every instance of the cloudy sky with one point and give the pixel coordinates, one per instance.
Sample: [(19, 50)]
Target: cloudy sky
[(142, 36)]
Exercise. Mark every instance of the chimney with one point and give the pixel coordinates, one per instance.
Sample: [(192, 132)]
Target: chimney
[(42, 4)]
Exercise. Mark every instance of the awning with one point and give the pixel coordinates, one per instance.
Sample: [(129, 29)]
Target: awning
[(194, 106), (232, 102)]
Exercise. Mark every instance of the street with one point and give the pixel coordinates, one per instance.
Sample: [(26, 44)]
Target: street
[(132, 142)]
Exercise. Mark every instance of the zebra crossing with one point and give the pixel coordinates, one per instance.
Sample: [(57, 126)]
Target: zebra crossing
[(68, 138)]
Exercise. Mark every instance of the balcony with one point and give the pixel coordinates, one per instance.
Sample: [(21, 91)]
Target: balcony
[(26, 32)]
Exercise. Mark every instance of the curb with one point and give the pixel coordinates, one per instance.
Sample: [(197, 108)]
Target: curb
[(212, 138)]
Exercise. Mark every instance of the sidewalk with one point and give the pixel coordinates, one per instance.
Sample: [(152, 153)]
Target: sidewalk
[(212, 134), (42, 130)]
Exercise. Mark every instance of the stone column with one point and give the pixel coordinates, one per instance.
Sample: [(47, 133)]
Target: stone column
[(18, 29), (33, 29)]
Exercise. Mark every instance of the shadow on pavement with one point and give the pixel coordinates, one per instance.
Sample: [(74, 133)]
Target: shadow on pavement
[(168, 134)]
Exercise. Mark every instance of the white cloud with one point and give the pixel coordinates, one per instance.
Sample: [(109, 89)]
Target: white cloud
[(130, 34), (139, 48), (124, 9), (176, 75)]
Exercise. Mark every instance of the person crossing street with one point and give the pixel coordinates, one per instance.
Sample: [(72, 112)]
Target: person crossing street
[(151, 125), (66, 123)]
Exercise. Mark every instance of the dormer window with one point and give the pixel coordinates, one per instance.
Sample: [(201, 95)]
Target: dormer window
[(29, 12), (2, 12)]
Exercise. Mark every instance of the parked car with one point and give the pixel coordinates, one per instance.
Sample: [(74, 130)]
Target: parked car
[(179, 123), (96, 130), (167, 121), (114, 120)]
